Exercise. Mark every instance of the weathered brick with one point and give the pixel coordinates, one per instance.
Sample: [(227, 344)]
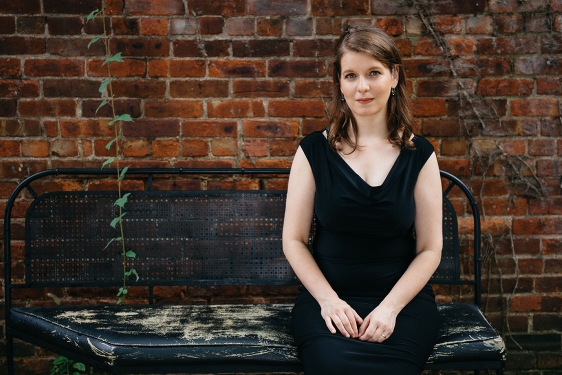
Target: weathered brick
[(513, 147), (139, 89), (165, 148), (31, 25), (136, 148), (17, 45), (453, 147), (313, 47), (542, 147), (235, 108), (297, 68), (19, 128), (255, 148), (154, 8), (548, 206), (71, 88), (54, 68), (538, 65), (479, 25), (260, 88), (85, 128), (270, 129), (429, 107), (278, 7), (330, 8), (543, 225), (125, 26), (74, 47), (313, 89), (482, 67), (70, 7), (20, 7), (391, 26), (158, 68), (154, 26), (282, 147), (130, 106), (228, 8), (270, 26), (204, 164), (426, 67), (183, 26), (427, 47), (240, 26), (127, 68), (505, 87), (64, 25), (9, 148), (549, 86), (10, 67), (8, 107), (36, 148), (204, 48), (534, 107), (237, 68), (48, 108), (173, 108), (509, 24), (260, 48), (194, 148), (441, 127), (151, 128), (298, 26), (205, 128), (448, 24), (508, 45), (198, 89), (21, 89), (224, 147), (64, 148), (296, 108), (187, 68), (328, 26), (211, 25), (511, 6), (449, 87), (151, 47), (551, 44), (461, 46)]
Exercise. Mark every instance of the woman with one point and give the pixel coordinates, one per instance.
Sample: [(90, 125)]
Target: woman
[(374, 187)]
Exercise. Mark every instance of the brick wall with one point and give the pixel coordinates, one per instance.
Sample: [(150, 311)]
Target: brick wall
[(237, 83)]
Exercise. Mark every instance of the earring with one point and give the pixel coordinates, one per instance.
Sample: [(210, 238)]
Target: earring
[(342, 98), (393, 91)]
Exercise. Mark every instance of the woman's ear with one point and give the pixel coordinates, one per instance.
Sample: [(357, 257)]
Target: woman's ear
[(395, 74)]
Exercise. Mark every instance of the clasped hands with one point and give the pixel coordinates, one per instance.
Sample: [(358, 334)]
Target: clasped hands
[(375, 327)]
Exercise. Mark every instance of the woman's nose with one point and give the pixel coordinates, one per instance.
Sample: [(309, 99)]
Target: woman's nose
[(362, 85)]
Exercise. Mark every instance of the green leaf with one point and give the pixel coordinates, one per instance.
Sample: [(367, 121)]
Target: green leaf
[(121, 291), (126, 117), (123, 172), (108, 161), (114, 222), (130, 254), (108, 145), (94, 40), (92, 15), (132, 271), (104, 84), (79, 366), (114, 58), (61, 359), (104, 102), (121, 201), (54, 297), (119, 301), (112, 240), (76, 373)]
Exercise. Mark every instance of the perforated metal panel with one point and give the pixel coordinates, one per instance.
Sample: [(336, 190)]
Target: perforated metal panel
[(202, 237), (448, 269)]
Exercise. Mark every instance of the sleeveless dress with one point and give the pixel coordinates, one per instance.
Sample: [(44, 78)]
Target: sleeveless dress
[(363, 244)]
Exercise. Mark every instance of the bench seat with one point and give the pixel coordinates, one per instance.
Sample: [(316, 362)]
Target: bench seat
[(141, 338)]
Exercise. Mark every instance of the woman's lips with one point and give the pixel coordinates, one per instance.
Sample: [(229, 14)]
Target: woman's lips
[(365, 101)]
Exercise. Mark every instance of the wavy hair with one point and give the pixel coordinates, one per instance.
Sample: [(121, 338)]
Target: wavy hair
[(400, 121)]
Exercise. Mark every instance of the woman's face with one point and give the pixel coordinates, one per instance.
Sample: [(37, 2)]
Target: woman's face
[(365, 83)]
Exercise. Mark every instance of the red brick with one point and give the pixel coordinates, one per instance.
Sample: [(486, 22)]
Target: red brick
[(20, 7), (391, 26), (453, 147), (207, 128), (513, 147), (479, 25), (534, 107), (278, 7), (461, 46), (18, 88), (84, 128), (509, 24), (173, 108), (261, 48), (550, 44), (235, 108), (151, 47), (10, 67), (240, 26), (482, 67), (194, 148), (328, 26), (227, 8), (530, 266), (313, 47), (297, 68), (224, 147), (31, 25), (154, 8), (508, 45), (261, 163), (187, 68), (312, 125), (64, 148), (87, 148), (101, 150), (511, 6), (177, 185), (201, 48), (130, 106), (64, 25), (296, 108), (282, 147), (19, 128), (239, 68), (8, 108), (72, 88), (330, 8), (449, 87), (159, 68), (136, 148), (458, 167), (70, 7), (546, 206), (298, 26), (549, 86), (154, 26), (183, 26), (21, 169), (260, 88), (151, 128), (255, 148), (165, 148), (538, 65), (125, 26), (127, 68), (551, 246), (542, 147), (313, 89), (271, 26), (17, 45), (54, 67), (429, 107), (48, 108), (74, 47), (545, 225), (139, 89), (7, 25), (9, 148), (448, 24), (270, 129), (36, 149), (211, 25), (505, 87), (426, 68), (199, 89), (204, 164), (427, 47)]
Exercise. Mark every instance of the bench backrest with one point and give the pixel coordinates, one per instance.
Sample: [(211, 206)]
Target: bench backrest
[(188, 237)]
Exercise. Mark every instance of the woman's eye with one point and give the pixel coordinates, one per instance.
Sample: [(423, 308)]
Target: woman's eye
[(374, 73), (350, 75)]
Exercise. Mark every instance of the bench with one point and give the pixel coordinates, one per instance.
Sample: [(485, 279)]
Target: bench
[(196, 238)]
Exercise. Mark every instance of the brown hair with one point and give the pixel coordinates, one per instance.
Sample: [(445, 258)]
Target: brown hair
[(376, 43)]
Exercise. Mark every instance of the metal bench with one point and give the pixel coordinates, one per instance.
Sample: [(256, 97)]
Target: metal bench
[(196, 238)]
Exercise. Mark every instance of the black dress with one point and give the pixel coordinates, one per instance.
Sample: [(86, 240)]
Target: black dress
[(363, 244)]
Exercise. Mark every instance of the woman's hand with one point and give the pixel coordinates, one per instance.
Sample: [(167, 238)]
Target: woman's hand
[(378, 325), (337, 312)]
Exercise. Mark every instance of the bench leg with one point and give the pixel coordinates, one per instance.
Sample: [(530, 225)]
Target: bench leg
[(10, 353)]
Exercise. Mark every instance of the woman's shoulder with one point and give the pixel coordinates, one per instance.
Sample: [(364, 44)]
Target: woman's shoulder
[(423, 147), (313, 139)]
